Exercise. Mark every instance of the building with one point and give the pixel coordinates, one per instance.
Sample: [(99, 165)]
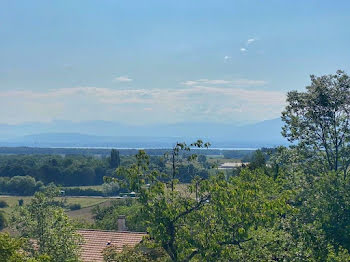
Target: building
[(232, 165), (95, 241)]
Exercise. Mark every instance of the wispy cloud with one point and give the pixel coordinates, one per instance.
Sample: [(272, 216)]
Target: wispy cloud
[(250, 41), (247, 43), (122, 79), (231, 83), (204, 102), (227, 58)]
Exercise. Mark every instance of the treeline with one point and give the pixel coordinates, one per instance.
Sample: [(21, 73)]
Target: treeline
[(26, 174), (65, 171)]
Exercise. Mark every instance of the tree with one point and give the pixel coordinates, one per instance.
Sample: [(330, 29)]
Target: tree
[(114, 161), (45, 222), (202, 159), (217, 223), (258, 160), (11, 250), (318, 120)]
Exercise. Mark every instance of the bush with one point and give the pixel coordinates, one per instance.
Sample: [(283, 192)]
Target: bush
[(74, 207), (20, 185), (3, 221), (111, 189), (76, 191), (3, 204), (20, 202)]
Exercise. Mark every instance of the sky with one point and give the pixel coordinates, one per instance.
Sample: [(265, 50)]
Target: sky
[(146, 62)]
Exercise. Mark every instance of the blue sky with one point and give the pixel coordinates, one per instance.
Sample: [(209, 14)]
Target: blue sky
[(164, 61)]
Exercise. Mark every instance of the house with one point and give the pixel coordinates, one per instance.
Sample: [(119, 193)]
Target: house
[(95, 241), (232, 165)]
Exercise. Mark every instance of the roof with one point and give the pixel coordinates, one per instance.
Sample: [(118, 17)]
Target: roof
[(230, 165), (96, 240)]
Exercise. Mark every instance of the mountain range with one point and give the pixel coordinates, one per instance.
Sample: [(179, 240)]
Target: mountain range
[(113, 134)]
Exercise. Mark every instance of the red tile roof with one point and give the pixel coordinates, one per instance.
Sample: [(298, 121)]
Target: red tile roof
[(96, 240)]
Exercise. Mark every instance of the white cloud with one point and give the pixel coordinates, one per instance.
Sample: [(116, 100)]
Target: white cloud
[(250, 41), (122, 79), (155, 105), (227, 58), (231, 83)]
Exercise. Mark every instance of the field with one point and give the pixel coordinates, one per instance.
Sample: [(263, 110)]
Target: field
[(85, 202)]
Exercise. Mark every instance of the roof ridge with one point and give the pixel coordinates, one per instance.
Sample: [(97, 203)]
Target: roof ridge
[(112, 231)]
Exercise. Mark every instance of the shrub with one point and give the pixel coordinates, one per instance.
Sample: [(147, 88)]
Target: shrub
[(111, 189), (3, 221), (76, 191), (74, 207), (3, 204), (20, 202)]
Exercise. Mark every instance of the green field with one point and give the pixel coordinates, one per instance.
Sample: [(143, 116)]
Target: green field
[(85, 202)]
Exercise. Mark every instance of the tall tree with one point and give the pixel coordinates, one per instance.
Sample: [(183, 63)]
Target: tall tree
[(318, 120), (115, 159)]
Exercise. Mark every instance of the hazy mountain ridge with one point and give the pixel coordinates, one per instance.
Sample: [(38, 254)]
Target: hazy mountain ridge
[(111, 134)]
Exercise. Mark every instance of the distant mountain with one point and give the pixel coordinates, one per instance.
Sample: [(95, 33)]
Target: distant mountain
[(110, 134)]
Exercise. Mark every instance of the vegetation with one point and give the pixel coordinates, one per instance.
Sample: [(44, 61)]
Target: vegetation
[(3, 204), (3, 220), (319, 120), (11, 250), (44, 221), (289, 204)]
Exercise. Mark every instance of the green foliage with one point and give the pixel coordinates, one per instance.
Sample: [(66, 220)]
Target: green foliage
[(45, 222), (111, 189), (258, 160), (106, 216), (214, 225), (66, 171), (141, 253), (114, 160), (3, 220), (77, 191), (3, 204), (23, 185), (12, 250), (74, 206), (318, 120), (328, 209)]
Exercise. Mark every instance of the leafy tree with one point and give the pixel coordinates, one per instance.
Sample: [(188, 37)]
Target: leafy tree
[(11, 250), (111, 189), (47, 223), (214, 225), (202, 159), (258, 160), (22, 185), (114, 161), (318, 120), (105, 216), (141, 253), (175, 157)]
